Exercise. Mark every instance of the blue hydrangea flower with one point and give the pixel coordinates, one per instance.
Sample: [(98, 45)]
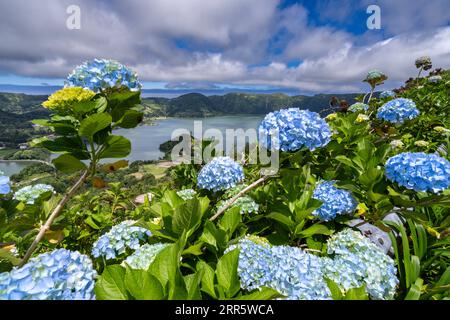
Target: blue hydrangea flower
[(398, 110), (289, 270), (387, 94), (118, 239), (335, 201), (186, 194), (58, 275), (4, 184), (100, 74), (358, 106), (143, 257), (357, 261), (419, 171), (30, 194), (292, 128), (220, 173)]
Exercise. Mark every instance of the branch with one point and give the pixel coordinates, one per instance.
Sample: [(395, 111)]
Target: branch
[(240, 194), (53, 216)]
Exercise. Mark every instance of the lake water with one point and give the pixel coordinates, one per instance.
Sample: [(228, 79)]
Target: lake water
[(145, 140), (11, 167)]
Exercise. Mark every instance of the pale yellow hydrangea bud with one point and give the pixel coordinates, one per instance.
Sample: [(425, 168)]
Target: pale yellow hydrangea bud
[(442, 130), (256, 239), (157, 220), (422, 143), (397, 144), (62, 99), (331, 116), (362, 117)]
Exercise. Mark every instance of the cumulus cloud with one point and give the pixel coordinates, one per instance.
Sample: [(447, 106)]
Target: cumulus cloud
[(197, 43)]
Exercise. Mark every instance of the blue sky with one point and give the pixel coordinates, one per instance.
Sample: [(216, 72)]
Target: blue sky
[(290, 46)]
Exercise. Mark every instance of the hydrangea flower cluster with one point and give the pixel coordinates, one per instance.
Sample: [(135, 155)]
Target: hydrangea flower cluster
[(292, 129), (356, 262), (397, 144), (362, 118), (419, 171), (442, 130), (375, 77), (358, 106), (58, 275), (221, 173), (4, 184), (30, 194), (335, 201), (289, 270), (331, 117), (379, 237), (143, 257), (387, 94), (434, 79), (186, 194), (423, 62), (118, 239), (100, 74), (62, 99), (421, 143), (398, 110), (246, 205)]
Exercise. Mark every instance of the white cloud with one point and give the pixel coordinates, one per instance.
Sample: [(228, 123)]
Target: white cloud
[(221, 41)]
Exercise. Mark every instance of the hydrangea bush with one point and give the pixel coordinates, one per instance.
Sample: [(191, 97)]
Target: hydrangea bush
[(358, 106), (57, 275), (304, 242), (30, 194), (387, 94), (5, 187), (419, 171), (353, 261), (335, 201), (220, 173), (292, 272), (357, 261), (186, 194), (398, 110), (120, 238), (100, 74), (292, 129), (143, 257)]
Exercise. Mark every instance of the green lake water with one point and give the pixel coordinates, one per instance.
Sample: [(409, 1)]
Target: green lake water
[(145, 140)]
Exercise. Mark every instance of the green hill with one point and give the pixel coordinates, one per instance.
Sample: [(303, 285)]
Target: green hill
[(198, 105)]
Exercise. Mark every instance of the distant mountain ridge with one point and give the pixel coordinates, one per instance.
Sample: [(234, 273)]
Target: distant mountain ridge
[(194, 104), (199, 105)]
